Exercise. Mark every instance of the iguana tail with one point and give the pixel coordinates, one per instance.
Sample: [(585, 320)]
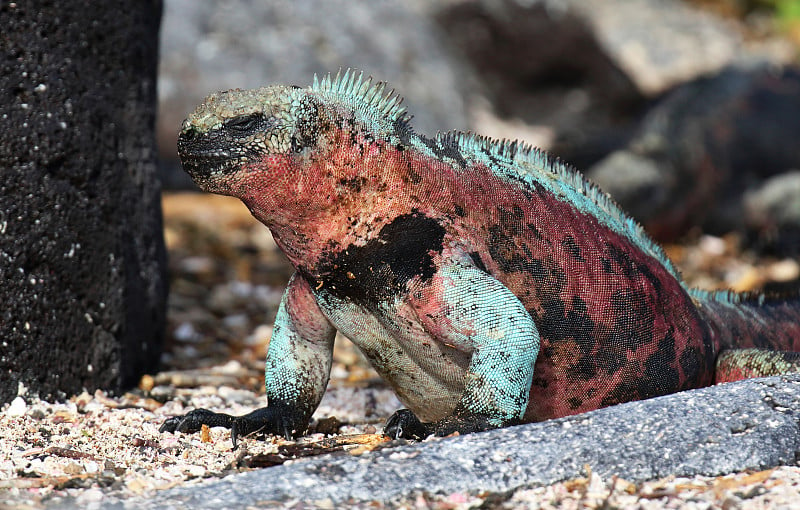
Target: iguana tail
[(753, 334)]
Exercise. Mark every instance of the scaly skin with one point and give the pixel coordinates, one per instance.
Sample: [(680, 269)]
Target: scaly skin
[(487, 283)]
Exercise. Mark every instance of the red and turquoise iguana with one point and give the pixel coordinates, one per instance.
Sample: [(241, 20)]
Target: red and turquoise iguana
[(488, 283)]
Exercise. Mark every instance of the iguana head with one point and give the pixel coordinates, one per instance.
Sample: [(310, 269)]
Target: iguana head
[(234, 133)]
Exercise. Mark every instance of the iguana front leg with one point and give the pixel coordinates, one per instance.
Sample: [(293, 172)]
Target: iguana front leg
[(297, 371), (466, 308)]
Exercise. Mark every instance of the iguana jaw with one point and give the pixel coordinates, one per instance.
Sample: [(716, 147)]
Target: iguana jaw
[(204, 158), (233, 129)]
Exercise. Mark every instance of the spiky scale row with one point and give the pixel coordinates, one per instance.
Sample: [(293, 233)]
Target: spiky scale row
[(354, 89)]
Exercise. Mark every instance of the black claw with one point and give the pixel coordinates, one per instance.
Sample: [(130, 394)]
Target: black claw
[(194, 421), (405, 425), (170, 424), (270, 420), (234, 435)]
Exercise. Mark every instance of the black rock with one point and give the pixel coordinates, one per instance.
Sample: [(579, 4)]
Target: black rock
[(82, 258)]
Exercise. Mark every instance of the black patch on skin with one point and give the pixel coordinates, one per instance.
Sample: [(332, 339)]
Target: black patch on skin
[(626, 391), (540, 383), (511, 257), (581, 325), (459, 210), (629, 268), (572, 248), (606, 265), (633, 323), (654, 281), (380, 269), (610, 361), (693, 366), (511, 219), (578, 326), (708, 348), (622, 260), (574, 402), (534, 231), (353, 183), (537, 270), (503, 250), (444, 147), (551, 323), (659, 376), (585, 369), (551, 279), (476, 259), (413, 176)]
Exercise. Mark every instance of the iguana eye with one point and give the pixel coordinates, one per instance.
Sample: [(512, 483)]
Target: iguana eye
[(244, 124)]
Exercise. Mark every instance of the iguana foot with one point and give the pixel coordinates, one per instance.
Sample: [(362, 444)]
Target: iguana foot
[(404, 424), (268, 420)]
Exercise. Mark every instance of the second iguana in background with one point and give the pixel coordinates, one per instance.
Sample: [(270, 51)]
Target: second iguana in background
[(486, 282)]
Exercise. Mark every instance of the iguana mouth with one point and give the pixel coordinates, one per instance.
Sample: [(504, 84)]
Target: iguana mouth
[(202, 157)]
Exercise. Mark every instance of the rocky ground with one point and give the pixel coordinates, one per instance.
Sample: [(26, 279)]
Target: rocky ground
[(227, 278)]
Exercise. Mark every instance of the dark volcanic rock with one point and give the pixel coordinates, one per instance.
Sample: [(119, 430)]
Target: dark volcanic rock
[(82, 259), (701, 148)]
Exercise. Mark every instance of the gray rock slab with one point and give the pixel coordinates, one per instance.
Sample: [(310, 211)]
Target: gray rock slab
[(661, 43), (745, 425)]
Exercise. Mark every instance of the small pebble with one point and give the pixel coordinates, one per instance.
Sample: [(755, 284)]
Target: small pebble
[(17, 407)]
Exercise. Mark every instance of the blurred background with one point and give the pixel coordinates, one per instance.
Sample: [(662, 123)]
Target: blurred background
[(686, 112)]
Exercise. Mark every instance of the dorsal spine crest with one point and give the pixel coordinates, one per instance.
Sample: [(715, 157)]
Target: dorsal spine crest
[(353, 89), (528, 163)]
